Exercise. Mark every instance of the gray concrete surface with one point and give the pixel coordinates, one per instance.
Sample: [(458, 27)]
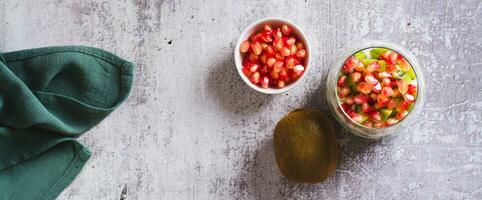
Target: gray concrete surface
[(192, 130)]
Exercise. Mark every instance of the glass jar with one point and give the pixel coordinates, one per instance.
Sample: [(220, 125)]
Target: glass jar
[(363, 131)]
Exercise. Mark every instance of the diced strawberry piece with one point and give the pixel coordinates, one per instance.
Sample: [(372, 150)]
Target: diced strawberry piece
[(264, 82), (387, 91), (402, 86), (401, 115), (255, 78), (343, 92), (391, 121), (342, 81), (286, 29), (412, 89), (355, 77), (244, 47), (364, 88), (376, 116), (301, 53), (373, 66), (298, 69), (360, 98)]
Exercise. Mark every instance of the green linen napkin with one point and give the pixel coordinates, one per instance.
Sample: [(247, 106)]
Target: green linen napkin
[(48, 97)]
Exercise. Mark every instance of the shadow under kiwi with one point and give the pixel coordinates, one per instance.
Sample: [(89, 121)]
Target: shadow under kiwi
[(232, 93)]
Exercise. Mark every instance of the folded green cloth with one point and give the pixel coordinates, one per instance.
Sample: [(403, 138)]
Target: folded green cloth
[(48, 97)]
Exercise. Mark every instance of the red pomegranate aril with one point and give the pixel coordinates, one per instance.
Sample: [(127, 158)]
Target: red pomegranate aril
[(285, 51), (344, 91), (244, 47), (253, 57), (373, 66), (366, 108), (346, 108), (269, 50), (377, 88), (375, 116), (360, 98), (255, 78), (347, 69), (279, 56), (253, 68), (349, 100), (290, 62), (357, 117), (301, 53), (278, 43), (267, 27), (270, 61), (277, 33), (386, 82), (387, 91), (291, 41), (298, 69), (256, 47), (412, 89), (247, 72), (281, 84), (263, 58), (278, 66), (364, 88), (383, 75), (300, 45), (390, 68), (283, 75), (286, 29), (274, 75), (382, 100), (355, 77), (402, 86), (355, 63), (391, 121), (368, 124), (293, 50), (385, 55), (393, 58), (264, 82), (391, 104), (373, 97), (403, 106), (267, 36), (408, 97), (341, 81), (371, 80), (401, 115)]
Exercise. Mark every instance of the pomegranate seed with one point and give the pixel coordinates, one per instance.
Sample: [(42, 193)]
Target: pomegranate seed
[(391, 104), (408, 97), (267, 36), (286, 29), (355, 63), (264, 82), (402, 86), (263, 58), (412, 89), (378, 106), (346, 69), (277, 33), (270, 61), (247, 72), (257, 37), (366, 108), (300, 45), (373, 97), (393, 82), (253, 68), (401, 115), (382, 100), (298, 69), (269, 50), (390, 68), (244, 47), (256, 47), (373, 66), (392, 59), (283, 75), (387, 91), (290, 62), (253, 57), (375, 116), (278, 66), (343, 92), (341, 81), (355, 77), (281, 84), (360, 98), (383, 75), (293, 50), (291, 41), (357, 117), (371, 80), (346, 108), (377, 88), (364, 88), (378, 125), (301, 53), (285, 51), (279, 56), (368, 124), (263, 70), (349, 100), (403, 106), (267, 27), (274, 75), (278, 43), (391, 121), (255, 78), (385, 55), (386, 82)]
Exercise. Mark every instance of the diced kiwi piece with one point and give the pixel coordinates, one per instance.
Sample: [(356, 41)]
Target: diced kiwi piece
[(398, 74), (406, 77), (386, 113), (410, 107), (368, 61), (361, 55), (410, 73), (380, 50), (382, 64)]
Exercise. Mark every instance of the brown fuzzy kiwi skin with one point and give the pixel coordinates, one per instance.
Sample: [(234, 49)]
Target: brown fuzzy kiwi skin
[(305, 146)]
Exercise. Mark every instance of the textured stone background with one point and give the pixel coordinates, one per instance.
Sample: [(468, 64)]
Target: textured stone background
[(193, 130)]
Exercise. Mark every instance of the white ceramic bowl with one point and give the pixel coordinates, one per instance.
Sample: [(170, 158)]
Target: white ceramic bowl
[(257, 26)]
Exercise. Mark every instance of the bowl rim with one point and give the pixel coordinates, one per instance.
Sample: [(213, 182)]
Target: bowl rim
[(248, 31), (381, 132)]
